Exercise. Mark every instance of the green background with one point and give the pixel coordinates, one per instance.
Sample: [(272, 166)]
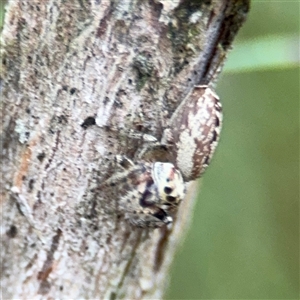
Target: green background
[(244, 238)]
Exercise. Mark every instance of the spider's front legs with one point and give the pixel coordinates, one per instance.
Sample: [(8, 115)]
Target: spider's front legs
[(123, 162), (145, 192)]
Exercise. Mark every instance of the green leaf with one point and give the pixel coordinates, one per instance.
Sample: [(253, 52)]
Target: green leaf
[(265, 53)]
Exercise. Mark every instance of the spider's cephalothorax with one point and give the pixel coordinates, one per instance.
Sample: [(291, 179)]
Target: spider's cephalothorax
[(148, 190)]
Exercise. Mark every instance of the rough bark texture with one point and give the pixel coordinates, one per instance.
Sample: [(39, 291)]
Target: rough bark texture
[(67, 65)]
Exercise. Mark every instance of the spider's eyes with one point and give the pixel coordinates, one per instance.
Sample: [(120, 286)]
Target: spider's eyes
[(171, 199), (168, 190)]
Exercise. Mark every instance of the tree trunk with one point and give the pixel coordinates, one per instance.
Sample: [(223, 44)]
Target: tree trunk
[(120, 66)]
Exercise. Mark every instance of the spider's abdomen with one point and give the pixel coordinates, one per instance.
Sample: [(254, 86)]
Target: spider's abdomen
[(194, 131)]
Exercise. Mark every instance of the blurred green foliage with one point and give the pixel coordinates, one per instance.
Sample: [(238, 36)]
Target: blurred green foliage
[(244, 239)]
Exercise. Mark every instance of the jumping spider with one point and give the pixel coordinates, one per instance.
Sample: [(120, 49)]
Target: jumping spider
[(150, 189)]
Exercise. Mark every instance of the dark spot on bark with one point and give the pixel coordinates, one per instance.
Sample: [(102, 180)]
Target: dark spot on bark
[(106, 100), (64, 87), (27, 110), (62, 119), (89, 121), (96, 228), (31, 184), (217, 122), (41, 156), (73, 91), (130, 81), (29, 59), (12, 231)]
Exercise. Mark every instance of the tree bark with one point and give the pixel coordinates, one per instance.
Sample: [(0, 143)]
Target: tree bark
[(116, 65)]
